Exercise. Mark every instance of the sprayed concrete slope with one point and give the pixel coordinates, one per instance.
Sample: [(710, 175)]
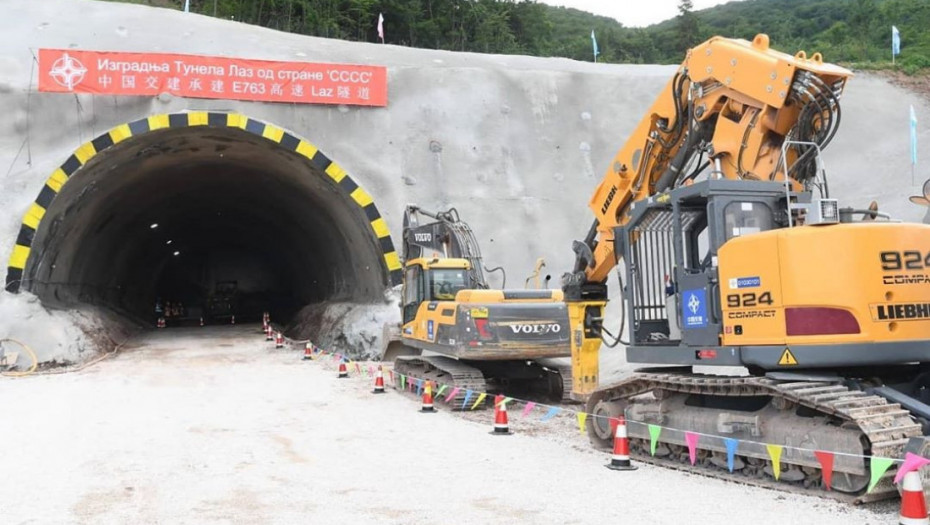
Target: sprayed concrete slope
[(517, 144)]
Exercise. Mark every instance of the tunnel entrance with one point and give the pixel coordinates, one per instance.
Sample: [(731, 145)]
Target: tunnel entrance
[(206, 214)]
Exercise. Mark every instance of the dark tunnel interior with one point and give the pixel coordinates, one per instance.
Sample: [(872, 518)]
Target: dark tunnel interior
[(216, 222)]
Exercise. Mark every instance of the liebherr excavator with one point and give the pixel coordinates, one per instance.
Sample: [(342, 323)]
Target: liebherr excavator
[(735, 255)]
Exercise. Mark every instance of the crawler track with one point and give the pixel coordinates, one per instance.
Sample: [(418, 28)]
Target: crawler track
[(813, 408), (443, 370)]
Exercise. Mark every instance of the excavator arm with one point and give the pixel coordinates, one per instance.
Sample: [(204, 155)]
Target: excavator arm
[(738, 108)]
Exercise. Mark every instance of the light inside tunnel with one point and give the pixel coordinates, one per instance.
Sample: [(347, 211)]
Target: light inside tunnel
[(219, 219)]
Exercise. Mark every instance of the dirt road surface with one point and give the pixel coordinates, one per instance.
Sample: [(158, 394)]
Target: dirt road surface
[(215, 426)]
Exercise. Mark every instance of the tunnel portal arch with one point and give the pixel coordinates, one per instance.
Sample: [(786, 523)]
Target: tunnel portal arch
[(229, 132)]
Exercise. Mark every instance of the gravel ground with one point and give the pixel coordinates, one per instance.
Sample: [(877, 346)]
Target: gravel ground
[(215, 426)]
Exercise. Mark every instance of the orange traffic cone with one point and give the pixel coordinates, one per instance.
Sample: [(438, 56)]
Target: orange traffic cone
[(279, 340), (343, 371), (308, 351), (620, 460), (379, 382), (427, 406), (501, 428), (269, 334), (913, 505), (201, 321), (161, 322), (233, 321)]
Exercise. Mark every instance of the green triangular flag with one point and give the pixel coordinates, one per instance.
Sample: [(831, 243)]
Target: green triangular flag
[(879, 466), (442, 388), (654, 431)]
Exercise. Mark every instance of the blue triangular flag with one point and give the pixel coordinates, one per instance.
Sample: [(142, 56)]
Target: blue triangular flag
[(731, 451), (419, 386), (551, 413), (468, 394)]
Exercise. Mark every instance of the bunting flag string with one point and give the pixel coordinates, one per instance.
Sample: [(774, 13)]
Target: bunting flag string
[(775, 454), (878, 466), (479, 401), (527, 409)]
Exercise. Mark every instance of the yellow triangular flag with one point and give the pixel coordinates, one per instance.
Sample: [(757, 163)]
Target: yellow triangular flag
[(479, 401), (582, 417), (775, 454)]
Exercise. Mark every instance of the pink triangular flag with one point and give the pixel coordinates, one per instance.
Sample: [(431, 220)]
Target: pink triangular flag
[(911, 462), (692, 440), (526, 410), (452, 394), (391, 375)]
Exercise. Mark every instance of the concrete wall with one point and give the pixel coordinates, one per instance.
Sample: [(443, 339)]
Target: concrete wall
[(517, 144)]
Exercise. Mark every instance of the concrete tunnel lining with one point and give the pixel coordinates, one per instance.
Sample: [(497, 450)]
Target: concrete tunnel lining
[(236, 198)]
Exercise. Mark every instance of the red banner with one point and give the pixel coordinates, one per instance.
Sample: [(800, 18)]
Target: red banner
[(150, 74)]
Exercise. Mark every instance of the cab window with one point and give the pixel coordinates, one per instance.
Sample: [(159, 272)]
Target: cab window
[(445, 283)]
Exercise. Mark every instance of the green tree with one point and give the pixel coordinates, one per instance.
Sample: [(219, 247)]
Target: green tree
[(687, 26)]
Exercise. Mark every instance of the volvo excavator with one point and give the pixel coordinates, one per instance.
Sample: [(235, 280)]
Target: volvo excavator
[(730, 252), (474, 337)]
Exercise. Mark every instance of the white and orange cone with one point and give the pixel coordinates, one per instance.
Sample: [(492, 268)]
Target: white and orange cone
[(201, 321), (160, 323), (279, 340), (379, 382), (308, 351), (269, 333), (501, 427), (913, 505), (343, 371), (427, 406), (620, 460), (233, 320)]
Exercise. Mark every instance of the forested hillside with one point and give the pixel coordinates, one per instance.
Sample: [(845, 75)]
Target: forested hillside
[(845, 31)]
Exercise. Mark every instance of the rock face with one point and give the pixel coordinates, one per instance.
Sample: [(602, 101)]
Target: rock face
[(516, 144)]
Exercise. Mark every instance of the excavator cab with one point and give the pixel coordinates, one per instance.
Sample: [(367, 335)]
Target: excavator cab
[(672, 244)]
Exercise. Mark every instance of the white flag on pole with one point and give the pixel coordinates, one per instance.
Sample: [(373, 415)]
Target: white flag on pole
[(187, 6), (381, 27)]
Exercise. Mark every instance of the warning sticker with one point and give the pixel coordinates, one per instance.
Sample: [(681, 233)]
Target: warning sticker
[(787, 358)]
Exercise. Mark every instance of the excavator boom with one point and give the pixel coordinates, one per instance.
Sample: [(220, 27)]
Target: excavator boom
[(732, 104)]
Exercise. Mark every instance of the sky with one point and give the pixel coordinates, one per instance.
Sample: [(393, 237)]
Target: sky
[(632, 13)]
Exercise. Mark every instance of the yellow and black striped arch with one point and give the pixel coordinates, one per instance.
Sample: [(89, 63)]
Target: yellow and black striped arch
[(35, 213)]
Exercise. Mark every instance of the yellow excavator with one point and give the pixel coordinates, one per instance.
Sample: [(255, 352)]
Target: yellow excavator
[(730, 253), (458, 331)]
